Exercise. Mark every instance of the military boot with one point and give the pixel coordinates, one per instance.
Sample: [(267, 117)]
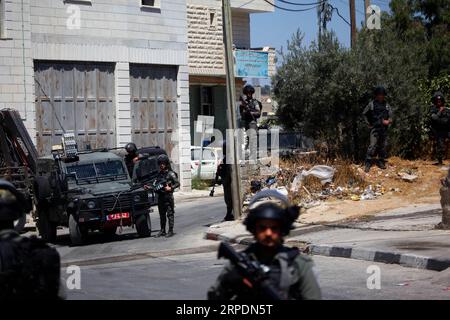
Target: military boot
[(161, 233), (381, 164), (170, 233)]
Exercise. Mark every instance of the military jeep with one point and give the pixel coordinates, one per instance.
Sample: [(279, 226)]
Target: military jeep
[(89, 191)]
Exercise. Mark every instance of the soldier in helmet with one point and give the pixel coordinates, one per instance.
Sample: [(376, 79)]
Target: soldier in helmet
[(440, 124), (378, 117), (250, 110), (166, 205), (29, 268), (131, 157), (290, 272)]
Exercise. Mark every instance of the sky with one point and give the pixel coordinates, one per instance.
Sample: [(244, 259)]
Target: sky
[(276, 28)]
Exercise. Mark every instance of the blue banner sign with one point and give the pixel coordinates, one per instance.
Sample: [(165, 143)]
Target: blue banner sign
[(251, 64)]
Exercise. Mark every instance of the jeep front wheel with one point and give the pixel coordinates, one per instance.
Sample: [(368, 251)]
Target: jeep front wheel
[(78, 234), (143, 225)]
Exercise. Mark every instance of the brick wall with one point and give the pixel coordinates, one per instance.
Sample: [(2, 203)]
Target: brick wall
[(205, 40)]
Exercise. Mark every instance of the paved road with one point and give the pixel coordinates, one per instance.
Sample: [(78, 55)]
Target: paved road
[(191, 220), (189, 276), (183, 267)]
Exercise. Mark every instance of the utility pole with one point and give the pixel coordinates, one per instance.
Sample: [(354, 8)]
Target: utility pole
[(320, 9), (231, 111), (352, 23), (366, 5)]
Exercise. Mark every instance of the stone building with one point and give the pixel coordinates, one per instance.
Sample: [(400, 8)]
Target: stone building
[(109, 71), (206, 54)]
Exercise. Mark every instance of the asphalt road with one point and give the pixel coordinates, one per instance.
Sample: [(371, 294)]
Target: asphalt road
[(190, 276), (192, 219), (184, 266)]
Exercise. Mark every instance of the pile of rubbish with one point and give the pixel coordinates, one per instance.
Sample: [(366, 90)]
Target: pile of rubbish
[(294, 183)]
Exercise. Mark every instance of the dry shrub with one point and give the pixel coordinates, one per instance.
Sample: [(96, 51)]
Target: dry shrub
[(347, 175)]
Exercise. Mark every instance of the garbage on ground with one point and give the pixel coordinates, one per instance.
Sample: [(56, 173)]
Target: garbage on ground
[(310, 186), (408, 177), (283, 191), (255, 186), (270, 181), (324, 173)]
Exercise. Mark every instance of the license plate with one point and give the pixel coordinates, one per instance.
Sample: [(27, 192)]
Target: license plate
[(117, 216)]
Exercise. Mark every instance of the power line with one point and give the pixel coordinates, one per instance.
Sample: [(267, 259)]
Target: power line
[(339, 14), (303, 4), (291, 10)]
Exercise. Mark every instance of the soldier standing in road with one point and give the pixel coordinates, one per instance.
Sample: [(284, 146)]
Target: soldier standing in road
[(440, 122), (166, 204), (224, 172), (378, 117), (250, 110), (289, 272), (131, 157), (29, 268)]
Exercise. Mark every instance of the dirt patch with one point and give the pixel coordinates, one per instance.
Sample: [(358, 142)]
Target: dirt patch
[(356, 194)]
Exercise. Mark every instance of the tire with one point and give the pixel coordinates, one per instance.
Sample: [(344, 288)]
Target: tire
[(19, 224), (78, 234), (47, 228), (143, 225)]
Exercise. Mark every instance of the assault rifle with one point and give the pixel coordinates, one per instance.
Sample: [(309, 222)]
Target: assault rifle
[(153, 183), (250, 270)]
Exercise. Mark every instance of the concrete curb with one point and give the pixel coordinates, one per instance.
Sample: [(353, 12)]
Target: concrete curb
[(389, 257), (186, 197)]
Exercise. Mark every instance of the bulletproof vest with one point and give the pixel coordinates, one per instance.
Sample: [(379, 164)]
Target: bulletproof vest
[(253, 105), (29, 268), (130, 163), (378, 112), (282, 274), (165, 178)]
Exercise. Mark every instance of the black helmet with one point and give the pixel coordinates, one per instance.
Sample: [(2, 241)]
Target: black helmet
[(162, 158), (248, 89), (438, 95), (272, 211), (131, 147), (12, 202), (380, 90)]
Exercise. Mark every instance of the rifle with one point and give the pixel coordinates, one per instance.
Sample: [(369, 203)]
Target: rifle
[(153, 184), (246, 108), (211, 193), (251, 270)]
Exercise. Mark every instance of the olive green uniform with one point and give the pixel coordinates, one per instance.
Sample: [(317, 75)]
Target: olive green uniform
[(440, 125), (166, 204), (374, 114), (291, 273)]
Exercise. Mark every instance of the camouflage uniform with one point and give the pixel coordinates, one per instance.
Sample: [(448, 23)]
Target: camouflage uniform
[(290, 272), (440, 122), (166, 204), (374, 114)]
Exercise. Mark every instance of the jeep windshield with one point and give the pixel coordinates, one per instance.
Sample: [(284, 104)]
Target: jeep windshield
[(97, 172)]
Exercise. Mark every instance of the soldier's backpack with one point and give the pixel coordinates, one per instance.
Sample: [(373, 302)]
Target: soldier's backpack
[(29, 268)]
